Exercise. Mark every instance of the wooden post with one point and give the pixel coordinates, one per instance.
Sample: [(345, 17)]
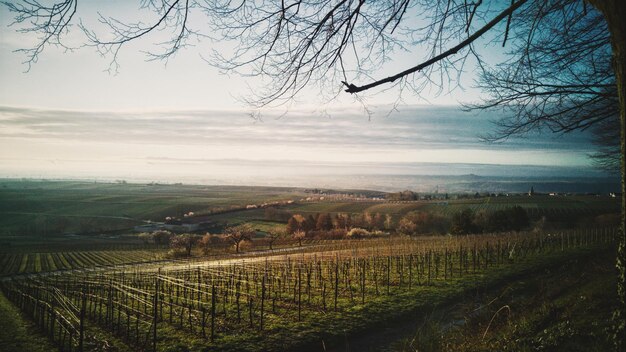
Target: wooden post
[(336, 282), (213, 312), (299, 293), (155, 312), (410, 270), (203, 322), (388, 273), (81, 333), (262, 301), (445, 264), (429, 266), (363, 284)]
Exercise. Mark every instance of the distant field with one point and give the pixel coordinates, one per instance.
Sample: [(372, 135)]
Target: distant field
[(43, 208), (33, 212)]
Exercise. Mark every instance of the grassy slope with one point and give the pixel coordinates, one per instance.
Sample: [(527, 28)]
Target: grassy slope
[(16, 333), (565, 307)]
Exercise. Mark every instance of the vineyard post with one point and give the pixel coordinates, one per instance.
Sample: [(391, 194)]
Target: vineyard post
[(461, 261), (299, 293), (375, 274), (474, 259), (262, 300), (445, 264), (250, 306), (203, 322), (198, 286), (213, 312), (429, 265), (109, 311), (410, 270), (336, 282), (156, 311), (52, 319), (486, 255), (81, 334), (127, 324), (170, 303), (137, 328), (363, 284), (324, 295), (388, 273)]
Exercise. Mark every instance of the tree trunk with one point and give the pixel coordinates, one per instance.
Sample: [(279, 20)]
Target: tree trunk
[(614, 12)]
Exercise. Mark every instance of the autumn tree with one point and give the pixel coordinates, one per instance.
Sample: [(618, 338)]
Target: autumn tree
[(296, 223), (309, 223), (406, 226), (324, 222)]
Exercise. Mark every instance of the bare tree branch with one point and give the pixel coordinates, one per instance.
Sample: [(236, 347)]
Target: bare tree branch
[(455, 49)]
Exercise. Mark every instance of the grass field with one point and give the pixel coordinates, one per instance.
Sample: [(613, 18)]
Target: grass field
[(34, 212)]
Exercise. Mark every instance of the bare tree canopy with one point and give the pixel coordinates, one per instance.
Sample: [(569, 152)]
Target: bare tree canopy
[(541, 83), (298, 43)]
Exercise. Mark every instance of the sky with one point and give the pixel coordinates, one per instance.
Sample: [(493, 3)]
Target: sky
[(69, 118)]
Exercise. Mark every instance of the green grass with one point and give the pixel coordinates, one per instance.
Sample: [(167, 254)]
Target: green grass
[(35, 210), (17, 334), (566, 307)]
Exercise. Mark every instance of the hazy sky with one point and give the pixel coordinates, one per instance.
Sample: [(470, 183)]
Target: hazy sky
[(67, 117)]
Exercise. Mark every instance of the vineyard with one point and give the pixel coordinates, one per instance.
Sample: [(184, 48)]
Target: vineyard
[(226, 303), (26, 263)]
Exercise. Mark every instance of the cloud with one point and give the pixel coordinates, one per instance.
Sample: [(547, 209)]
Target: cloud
[(199, 145), (411, 128)]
